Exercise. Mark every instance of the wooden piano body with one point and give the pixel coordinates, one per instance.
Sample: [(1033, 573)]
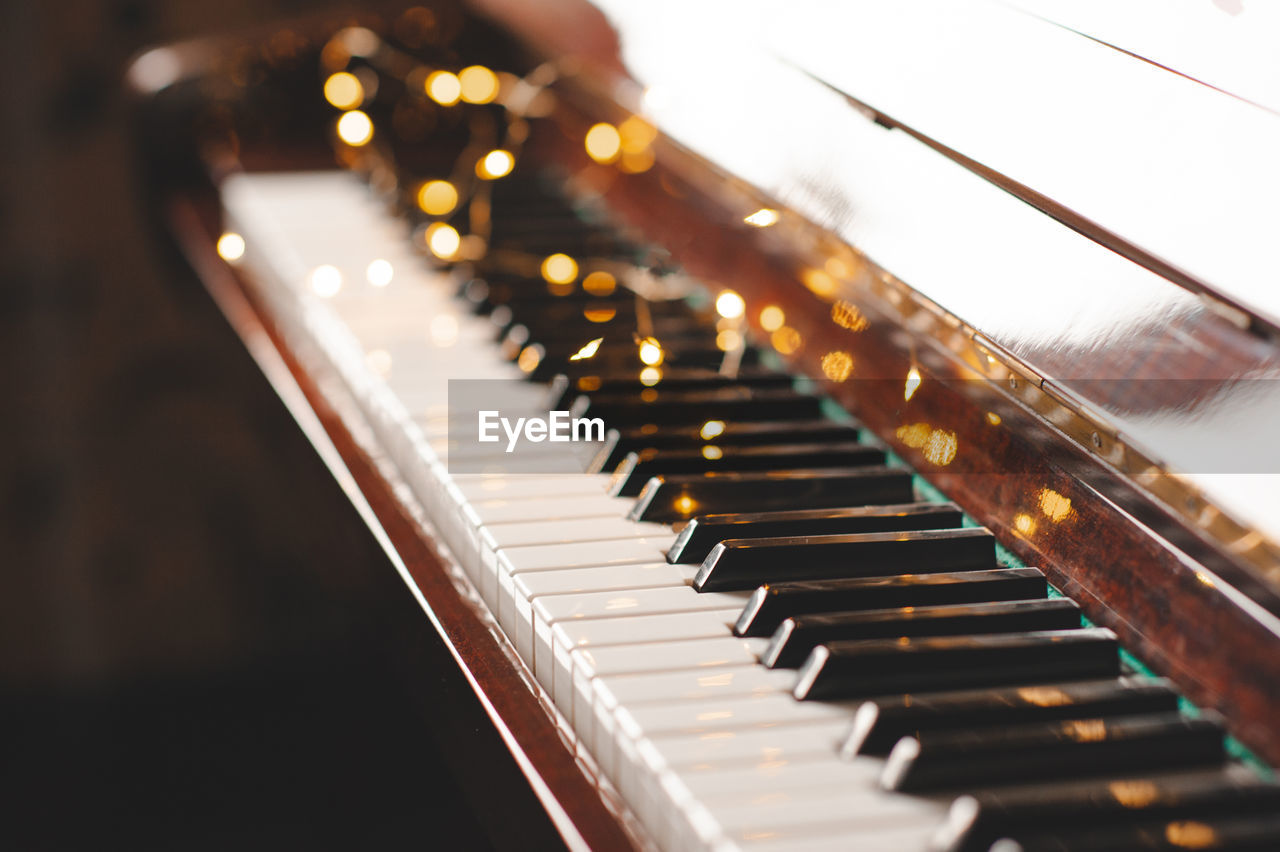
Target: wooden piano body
[(1071, 310)]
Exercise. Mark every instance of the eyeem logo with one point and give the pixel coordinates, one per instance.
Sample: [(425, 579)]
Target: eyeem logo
[(560, 427)]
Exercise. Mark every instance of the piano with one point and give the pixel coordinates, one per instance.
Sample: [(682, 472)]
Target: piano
[(923, 355)]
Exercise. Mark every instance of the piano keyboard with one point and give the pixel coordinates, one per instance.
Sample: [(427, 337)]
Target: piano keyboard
[(812, 658)]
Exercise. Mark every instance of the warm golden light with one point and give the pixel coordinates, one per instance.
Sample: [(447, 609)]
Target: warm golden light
[(819, 282), (379, 272), (230, 247), (477, 84), (326, 281), (728, 340), (837, 366), (1190, 835), (730, 305), (443, 240), (495, 164), (635, 162), (846, 315), (685, 504), (650, 376), (993, 418), (712, 429), (636, 135), (588, 350), (763, 218), (355, 128), (599, 314), (1044, 696), (559, 269), (529, 358), (603, 143), (1024, 523), (343, 90), (588, 383), (599, 283), (1133, 794), (651, 352), (941, 447), (1085, 730), (914, 435), (772, 318), (711, 453), (786, 340), (437, 197), (443, 87), (1055, 506), (912, 385)]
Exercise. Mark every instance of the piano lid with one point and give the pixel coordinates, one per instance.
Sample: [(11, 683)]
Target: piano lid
[(1105, 221)]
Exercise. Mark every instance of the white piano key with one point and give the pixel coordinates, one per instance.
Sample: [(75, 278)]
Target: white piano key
[(706, 745), (517, 591), (549, 610), (567, 533), (584, 665)]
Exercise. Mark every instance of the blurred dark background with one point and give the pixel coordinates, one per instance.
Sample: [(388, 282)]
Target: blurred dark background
[(200, 644)]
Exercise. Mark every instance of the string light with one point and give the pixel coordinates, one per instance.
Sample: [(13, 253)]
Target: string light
[(443, 87), (230, 247), (763, 218), (437, 197), (603, 143), (651, 352), (495, 164), (326, 281), (379, 273), (477, 85), (343, 90), (355, 128), (559, 269), (730, 305), (443, 240)]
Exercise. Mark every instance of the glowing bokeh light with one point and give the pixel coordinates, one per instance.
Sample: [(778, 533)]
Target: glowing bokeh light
[(355, 128), (437, 197), (603, 143), (477, 84), (230, 247), (559, 269), (495, 164), (443, 87), (379, 272), (343, 90)]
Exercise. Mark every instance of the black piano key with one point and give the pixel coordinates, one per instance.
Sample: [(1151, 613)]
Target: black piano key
[(881, 722), (613, 347), (796, 637), (1258, 832), (661, 406), (773, 603), (868, 667), (619, 442), (563, 392), (638, 468), (744, 563), (699, 357), (1045, 751), (975, 821), (667, 499), (706, 531)]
